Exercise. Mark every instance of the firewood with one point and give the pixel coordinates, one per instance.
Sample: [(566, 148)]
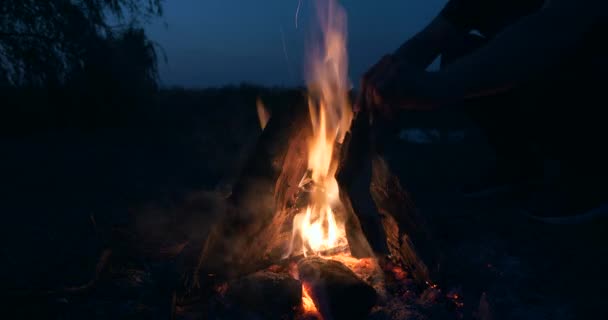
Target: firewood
[(380, 216), (239, 243), (271, 295), (337, 291), (266, 162), (407, 236), (386, 212), (253, 232), (354, 178)]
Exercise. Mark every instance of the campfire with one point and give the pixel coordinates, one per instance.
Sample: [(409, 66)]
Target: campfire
[(318, 227)]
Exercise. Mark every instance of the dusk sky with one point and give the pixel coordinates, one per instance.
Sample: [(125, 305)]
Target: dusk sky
[(217, 42)]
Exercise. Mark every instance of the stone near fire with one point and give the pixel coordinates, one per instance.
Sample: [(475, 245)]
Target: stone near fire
[(269, 294), (337, 291)]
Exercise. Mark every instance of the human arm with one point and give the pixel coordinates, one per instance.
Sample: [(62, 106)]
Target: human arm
[(425, 46), (418, 52), (533, 44)]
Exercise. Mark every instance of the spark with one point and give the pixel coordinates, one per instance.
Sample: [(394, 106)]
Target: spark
[(285, 52), (284, 45), (298, 12)]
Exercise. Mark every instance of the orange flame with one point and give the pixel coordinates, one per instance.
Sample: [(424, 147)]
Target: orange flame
[(331, 116), (263, 114), (307, 303), (317, 226)]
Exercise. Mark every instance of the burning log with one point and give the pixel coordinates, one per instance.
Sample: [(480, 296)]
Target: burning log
[(247, 231), (268, 294), (337, 292), (385, 210), (378, 211), (262, 169), (354, 178), (257, 226), (379, 214)]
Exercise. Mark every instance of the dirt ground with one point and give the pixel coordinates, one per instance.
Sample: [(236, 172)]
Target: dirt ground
[(62, 192), (524, 269)]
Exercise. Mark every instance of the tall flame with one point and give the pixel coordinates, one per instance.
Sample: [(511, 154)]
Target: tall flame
[(331, 116)]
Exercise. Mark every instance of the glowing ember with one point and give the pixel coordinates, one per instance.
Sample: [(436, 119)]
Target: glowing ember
[(221, 289), (308, 305), (354, 263), (330, 114)]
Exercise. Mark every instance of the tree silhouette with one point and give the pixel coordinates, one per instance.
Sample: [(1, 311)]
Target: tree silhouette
[(42, 42)]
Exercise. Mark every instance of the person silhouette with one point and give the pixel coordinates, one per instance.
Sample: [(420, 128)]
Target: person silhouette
[(530, 72)]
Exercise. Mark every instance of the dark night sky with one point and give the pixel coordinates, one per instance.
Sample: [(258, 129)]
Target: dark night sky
[(217, 42)]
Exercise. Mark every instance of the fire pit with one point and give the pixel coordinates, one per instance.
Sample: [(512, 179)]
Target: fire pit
[(318, 227)]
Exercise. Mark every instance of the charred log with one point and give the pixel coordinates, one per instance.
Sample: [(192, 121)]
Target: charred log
[(407, 236), (354, 178), (385, 210), (238, 244), (337, 291), (271, 295)]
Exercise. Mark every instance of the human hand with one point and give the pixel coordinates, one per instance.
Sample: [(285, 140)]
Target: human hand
[(394, 84), (365, 98)]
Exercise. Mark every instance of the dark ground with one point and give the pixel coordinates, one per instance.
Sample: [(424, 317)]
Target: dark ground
[(63, 190)]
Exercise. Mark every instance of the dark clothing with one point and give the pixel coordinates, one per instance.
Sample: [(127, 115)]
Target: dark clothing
[(559, 112), (502, 117), (488, 17)]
